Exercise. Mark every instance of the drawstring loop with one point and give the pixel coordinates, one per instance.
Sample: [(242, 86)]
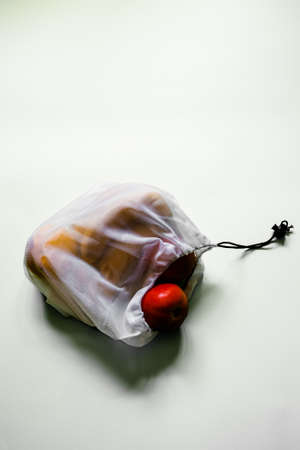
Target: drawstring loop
[(279, 233)]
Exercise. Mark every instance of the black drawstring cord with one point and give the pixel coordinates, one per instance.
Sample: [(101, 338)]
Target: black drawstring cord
[(279, 232)]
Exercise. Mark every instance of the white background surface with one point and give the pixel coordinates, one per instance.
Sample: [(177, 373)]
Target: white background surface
[(202, 99)]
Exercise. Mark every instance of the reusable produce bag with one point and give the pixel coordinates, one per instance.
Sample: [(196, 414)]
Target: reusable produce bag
[(97, 257)]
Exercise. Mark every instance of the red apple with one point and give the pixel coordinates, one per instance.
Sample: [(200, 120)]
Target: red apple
[(165, 306)]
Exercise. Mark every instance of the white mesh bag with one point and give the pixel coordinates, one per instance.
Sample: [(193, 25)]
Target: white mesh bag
[(97, 257)]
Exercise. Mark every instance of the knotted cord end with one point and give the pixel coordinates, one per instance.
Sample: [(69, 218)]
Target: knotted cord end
[(282, 230)]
